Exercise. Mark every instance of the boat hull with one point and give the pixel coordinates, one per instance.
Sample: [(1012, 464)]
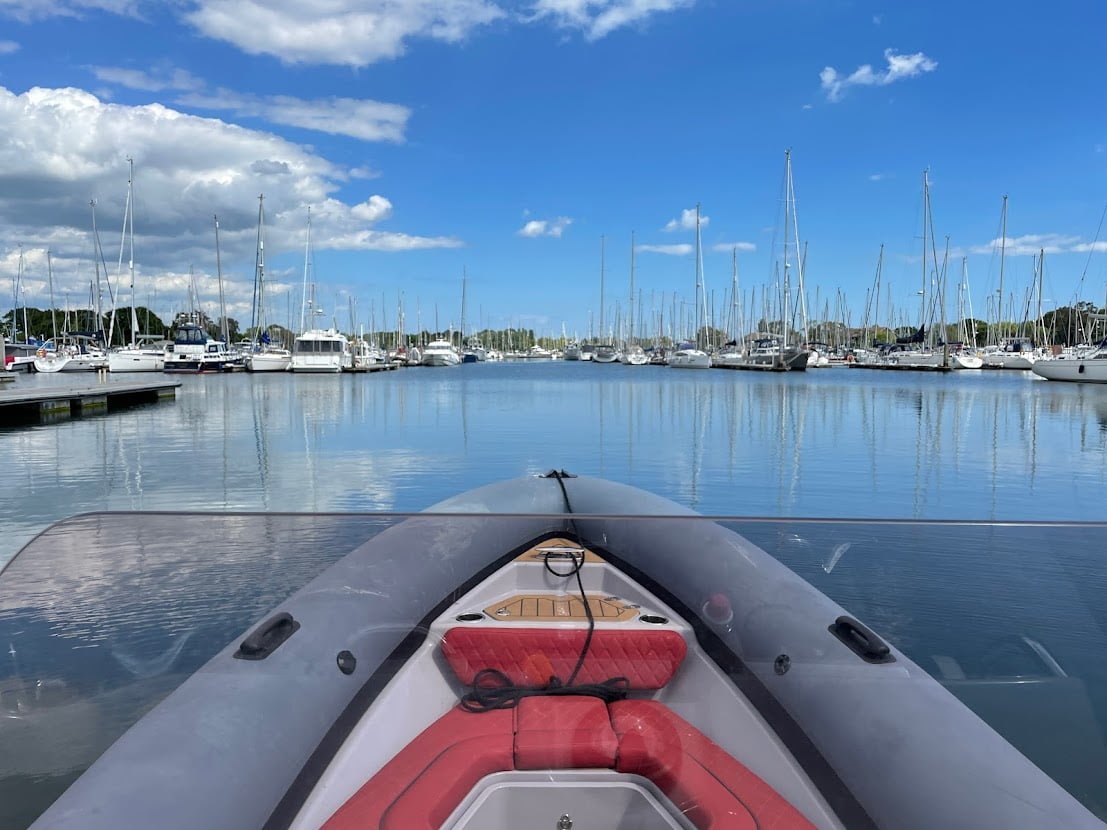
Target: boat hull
[(264, 362), (136, 361), (689, 359), (1073, 370)]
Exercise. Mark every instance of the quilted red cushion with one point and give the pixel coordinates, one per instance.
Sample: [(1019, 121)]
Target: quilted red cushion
[(531, 656)]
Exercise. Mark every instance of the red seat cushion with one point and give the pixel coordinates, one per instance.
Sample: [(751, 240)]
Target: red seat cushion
[(563, 733), (531, 656), (703, 780), (366, 808), (430, 799)]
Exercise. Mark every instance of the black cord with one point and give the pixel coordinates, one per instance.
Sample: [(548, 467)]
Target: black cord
[(492, 689)]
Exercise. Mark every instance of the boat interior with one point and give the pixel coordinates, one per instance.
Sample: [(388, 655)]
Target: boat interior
[(561, 693)]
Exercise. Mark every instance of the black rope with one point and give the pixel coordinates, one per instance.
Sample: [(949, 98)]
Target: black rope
[(492, 689)]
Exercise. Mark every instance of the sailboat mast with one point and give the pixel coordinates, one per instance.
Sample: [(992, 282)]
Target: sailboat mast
[(602, 242), (926, 206), (699, 286), (96, 257), (307, 260), (630, 300), (1002, 257), (131, 244), (785, 317), (53, 312)]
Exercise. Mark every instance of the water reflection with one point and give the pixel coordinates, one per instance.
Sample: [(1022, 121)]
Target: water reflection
[(827, 443)]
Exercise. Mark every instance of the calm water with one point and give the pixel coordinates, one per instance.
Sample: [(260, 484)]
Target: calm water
[(108, 614), (835, 442)]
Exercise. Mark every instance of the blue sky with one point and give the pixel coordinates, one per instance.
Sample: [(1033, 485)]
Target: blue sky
[(503, 137)]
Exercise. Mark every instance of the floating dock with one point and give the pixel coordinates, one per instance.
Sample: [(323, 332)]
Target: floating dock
[(372, 367), (54, 403)]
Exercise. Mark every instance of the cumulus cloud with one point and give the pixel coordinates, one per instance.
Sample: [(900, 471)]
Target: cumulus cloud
[(876, 177), (899, 67), (7, 47), (686, 221), (355, 33), (727, 247), (65, 147), (545, 227), (599, 18), (672, 250)]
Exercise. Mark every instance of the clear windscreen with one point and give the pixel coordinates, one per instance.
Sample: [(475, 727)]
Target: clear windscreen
[(102, 616)]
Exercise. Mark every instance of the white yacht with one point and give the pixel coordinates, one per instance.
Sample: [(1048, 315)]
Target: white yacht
[(572, 351), (689, 358), (634, 356), (1012, 353), (605, 353), (321, 350), (269, 358), (142, 357), (1089, 368), (440, 353), (71, 353), (194, 350)]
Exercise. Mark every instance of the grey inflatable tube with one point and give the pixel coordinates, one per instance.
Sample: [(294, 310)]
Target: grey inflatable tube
[(224, 748)]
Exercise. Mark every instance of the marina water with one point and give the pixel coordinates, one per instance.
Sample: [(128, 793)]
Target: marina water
[(992, 447)]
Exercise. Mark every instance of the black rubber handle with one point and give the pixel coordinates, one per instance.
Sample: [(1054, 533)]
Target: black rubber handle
[(267, 637), (862, 640)]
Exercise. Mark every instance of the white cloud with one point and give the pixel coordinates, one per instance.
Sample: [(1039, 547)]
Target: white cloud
[(545, 227), (355, 33), (876, 177), (360, 118), (727, 247), (686, 221), (672, 250), (28, 10), (1087, 247), (899, 67), (1030, 244), (63, 147), (8, 47), (153, 80), (599, 18), (807, 106), (878, 19)]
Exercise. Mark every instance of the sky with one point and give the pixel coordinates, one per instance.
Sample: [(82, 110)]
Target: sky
[(504, 138)]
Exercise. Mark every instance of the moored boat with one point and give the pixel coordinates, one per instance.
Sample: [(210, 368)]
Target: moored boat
[(1087, 368), (193, 350), (321, 350)]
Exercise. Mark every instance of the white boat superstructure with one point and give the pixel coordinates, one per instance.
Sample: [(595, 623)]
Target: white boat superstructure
[(148, 358), (321, 350), (193, 350), (690, 358), (440, 353), (1012, 353), (572, 351), (634, 356), (269, 358), (605, 353)]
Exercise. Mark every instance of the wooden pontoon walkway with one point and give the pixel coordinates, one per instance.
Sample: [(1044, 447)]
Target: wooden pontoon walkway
[(25, 403)]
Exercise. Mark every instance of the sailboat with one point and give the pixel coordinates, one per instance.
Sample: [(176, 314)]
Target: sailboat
[(604, 351), (690, 355), (263, 355), (138, 355), (769, 351)]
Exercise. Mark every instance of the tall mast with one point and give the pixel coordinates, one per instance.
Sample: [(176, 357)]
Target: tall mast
[(96, 257), (1041, 276), (1002, 257), (131, 244), (786, 323), (699, 286), (53, 313), (602, 335), (630, 300), (307, 260), (464, 281), (922, 292)]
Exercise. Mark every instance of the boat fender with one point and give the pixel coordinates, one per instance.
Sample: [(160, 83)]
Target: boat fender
[(346, 662), (1080, 369), (267, 637)]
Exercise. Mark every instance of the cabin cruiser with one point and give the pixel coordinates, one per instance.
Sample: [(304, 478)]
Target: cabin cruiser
[(321, 350), (440, 353), (634, 356), (267, 357), (193, 350), (1012, 353), (522, 655), (572, 351)]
